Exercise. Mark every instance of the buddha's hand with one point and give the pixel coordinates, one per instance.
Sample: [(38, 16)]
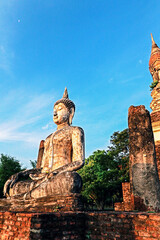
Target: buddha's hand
[(9, 183), (52, 174), (38, 176), (14, 178)]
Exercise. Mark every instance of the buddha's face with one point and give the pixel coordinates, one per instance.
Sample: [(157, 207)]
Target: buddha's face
[(61, 114)]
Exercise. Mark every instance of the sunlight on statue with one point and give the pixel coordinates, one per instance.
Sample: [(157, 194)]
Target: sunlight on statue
[(60, 155)]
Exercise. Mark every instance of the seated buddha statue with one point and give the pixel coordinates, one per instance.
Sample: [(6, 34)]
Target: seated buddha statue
[(60, 155)]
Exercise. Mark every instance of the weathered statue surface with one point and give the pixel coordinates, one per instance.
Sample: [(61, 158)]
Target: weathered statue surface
[(60, 155)]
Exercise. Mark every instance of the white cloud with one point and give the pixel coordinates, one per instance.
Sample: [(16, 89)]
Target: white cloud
[(131, 79), (45, 127), (27, 115)]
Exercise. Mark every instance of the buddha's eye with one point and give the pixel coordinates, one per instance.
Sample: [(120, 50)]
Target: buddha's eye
[(60, 108)]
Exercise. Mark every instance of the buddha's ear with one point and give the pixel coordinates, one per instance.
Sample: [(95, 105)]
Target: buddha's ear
[(71, 115)]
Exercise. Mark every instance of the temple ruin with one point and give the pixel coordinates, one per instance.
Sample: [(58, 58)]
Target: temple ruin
[(142, 127), (48, 205)]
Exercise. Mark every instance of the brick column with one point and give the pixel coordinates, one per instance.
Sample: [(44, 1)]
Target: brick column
[(145, 186)]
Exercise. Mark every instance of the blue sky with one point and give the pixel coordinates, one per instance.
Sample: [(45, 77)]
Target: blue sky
[(98, 49)]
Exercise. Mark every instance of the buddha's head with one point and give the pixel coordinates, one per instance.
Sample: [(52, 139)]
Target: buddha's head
[(64, 110)]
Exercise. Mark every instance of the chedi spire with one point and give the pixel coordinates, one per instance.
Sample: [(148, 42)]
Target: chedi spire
[(153, 42), (154, 62)]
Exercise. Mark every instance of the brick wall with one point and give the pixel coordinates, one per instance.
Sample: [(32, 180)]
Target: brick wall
[(79, 225), (128, 203), (157, 145), (122, 226), (155, 116), (38, 226)]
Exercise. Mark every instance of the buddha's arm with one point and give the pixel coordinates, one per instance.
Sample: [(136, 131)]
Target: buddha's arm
[(78, 147), (40, 154)]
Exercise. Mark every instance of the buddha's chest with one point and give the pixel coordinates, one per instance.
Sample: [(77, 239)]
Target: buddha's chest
[(58, 149), (61, 139)]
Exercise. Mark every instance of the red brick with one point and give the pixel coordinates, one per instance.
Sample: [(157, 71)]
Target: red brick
[(142, 217), (140, 227), (155, 217), (150, 229), (18, 223), (156, 235), (151, 223), (100, 225), (144, 234)]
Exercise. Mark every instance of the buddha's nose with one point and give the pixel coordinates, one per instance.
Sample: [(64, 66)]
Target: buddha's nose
[(55, 113)]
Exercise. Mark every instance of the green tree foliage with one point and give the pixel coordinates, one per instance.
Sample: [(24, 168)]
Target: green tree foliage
[(33, 163), (119, 152), (153, 85), (104, 172), (8, 167)]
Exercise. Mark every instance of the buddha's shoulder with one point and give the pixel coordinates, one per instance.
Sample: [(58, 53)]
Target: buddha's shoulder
[(68, 130), (48, 138), (76, 129)]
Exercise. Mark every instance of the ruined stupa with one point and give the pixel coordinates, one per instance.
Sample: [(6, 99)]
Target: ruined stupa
[(154, 67)]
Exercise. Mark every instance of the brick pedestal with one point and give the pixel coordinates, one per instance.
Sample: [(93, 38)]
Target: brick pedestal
[(79, 226), (39, 226), (62, 203)]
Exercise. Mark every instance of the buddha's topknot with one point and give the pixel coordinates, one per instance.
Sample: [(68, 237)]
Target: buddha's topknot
[(66, 101)]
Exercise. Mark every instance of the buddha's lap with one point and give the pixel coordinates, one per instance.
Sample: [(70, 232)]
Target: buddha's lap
[(63, 183)]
